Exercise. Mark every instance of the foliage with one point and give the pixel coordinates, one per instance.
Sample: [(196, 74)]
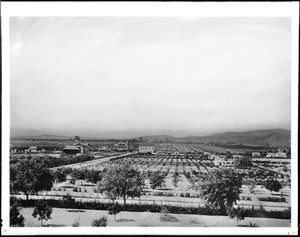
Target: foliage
[(243, 163), (77, 138), (237, 213), (272, 185), (157, 180), (15, 218), (253, 224), (115, 209), (136, 207), (101, 222), (221, 188), (67, 200), (251, 183), (30, 176), (76, 224), (122, 181), (272, 199), (175, 179), (42, 211)]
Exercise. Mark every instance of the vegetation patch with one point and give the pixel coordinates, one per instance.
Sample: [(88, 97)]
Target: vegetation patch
[(272, 199)]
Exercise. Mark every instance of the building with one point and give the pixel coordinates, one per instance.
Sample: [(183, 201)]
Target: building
[(255, 154), (104, 148), (71, 150), (144, 149), (280, 154), (121, 146), (84, 147), (221, 162), (270, 154), (32, 149), (237, 156)]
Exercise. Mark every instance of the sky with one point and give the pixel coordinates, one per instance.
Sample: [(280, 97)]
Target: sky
[(115, 77)]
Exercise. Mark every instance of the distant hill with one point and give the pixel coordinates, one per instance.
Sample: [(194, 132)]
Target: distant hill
[(274, 137), (49, 137)]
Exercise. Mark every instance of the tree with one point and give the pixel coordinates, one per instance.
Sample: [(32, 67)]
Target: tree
[(115, 209), (237, 213), (30, 176), (243, 163), (68, 201), (221, 188), (272, 185), (61, 174), (157, 180), (228, 155), (175, 179), (122, 181), (77, 138), (15, 218), (42, 211)]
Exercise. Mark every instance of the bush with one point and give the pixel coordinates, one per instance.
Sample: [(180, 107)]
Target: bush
[(102, 222), (75, 224), (187, 195), (75, 190), (135, 207), (181, 194), (246, 198), (272, 199)]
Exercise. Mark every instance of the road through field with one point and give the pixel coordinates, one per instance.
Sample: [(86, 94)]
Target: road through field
[(92, 163)]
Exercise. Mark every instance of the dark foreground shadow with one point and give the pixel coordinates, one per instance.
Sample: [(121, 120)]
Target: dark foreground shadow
[(125, 220), (75, 211), (53, 225)]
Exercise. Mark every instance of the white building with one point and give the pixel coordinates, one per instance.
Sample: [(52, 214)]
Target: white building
[(146, 149), (280, 154), (255, 154), (270, 154)]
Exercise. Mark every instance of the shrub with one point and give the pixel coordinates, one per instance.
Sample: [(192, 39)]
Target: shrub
[(272, 199), (159, 194), (187, 195), (102, 222), (115, 209), (75, 190), (253, 225), (246, 198), (76, 224), (181, 194)]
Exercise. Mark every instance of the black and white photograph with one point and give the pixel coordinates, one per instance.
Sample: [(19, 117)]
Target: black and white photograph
[(182, 116)]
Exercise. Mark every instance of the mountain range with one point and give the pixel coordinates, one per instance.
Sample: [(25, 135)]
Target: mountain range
[(273, 137)]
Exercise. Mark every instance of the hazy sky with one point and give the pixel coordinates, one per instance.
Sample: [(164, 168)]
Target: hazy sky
[(136, 76)]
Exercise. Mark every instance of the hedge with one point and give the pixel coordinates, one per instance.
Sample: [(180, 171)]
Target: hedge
[(272, 199), (135, 207)]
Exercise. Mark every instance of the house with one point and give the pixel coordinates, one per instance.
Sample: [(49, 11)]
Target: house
[(104, 148), (255, 154), (32, 149), (221, 162), (143, 149), (84, 147), (270, 154), (71, 150), (237, 156), (121, 146), (280, 154)]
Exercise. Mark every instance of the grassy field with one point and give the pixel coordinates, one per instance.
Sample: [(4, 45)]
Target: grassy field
[(66, 218)]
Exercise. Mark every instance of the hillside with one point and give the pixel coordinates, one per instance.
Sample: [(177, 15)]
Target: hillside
[(274, 137)]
